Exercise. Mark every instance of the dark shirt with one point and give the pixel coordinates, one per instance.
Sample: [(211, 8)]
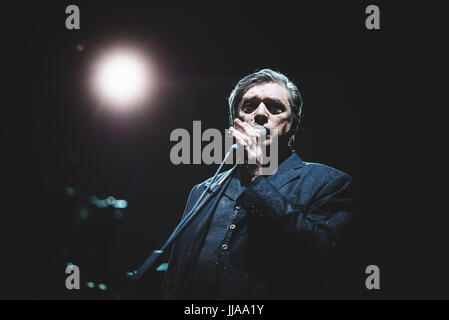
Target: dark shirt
[(213, 266)]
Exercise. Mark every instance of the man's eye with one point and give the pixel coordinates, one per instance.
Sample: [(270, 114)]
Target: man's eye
[(276, 109), (248, 107)]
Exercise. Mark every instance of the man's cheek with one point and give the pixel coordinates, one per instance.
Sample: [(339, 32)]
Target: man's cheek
[(242, 118), (283, 129)]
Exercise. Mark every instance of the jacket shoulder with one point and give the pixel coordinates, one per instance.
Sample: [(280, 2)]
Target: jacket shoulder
[(324, 171)]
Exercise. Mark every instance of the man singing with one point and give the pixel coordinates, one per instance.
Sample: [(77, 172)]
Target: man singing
[(262, 236)]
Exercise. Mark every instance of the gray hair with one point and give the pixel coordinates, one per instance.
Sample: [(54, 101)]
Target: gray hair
[(263, 76)]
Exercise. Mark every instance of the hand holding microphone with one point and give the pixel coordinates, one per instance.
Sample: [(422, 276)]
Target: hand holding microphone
[(251, 139)]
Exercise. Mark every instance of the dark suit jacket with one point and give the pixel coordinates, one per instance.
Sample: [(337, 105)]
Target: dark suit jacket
[(294, 218)]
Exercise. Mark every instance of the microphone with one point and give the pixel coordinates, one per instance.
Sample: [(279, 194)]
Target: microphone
[(262, 130)]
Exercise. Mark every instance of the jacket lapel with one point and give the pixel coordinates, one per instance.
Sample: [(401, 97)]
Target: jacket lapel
[(287, 171)]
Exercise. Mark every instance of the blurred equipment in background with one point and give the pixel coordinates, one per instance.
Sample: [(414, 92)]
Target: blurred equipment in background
[(90, 228)]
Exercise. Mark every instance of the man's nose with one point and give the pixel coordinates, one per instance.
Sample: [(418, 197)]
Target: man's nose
[(261, 115)]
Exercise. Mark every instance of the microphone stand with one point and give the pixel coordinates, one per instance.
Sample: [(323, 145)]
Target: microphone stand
[(199, 204)]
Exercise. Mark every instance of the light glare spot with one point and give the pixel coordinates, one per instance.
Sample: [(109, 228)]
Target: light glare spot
[(121, 78)]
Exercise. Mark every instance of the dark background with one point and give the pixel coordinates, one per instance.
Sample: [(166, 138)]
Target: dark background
[(370, 110)]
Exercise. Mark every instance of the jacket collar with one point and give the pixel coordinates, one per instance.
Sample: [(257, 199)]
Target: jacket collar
[(286, 172)]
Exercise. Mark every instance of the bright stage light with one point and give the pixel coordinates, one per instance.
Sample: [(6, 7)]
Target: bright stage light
[(121, 78)]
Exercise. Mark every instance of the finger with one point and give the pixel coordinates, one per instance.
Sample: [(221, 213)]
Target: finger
[(248, 130), (238, 136), (241, 141), (251, 148), (243, 126), (241, 136)]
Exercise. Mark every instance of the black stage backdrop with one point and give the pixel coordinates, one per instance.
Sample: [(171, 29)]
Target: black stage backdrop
[(370, 109)]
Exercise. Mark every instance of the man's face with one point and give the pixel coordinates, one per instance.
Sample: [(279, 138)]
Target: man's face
[(267, 104)]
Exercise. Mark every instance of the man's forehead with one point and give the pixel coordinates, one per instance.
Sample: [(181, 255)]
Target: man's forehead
[(266, 90)]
